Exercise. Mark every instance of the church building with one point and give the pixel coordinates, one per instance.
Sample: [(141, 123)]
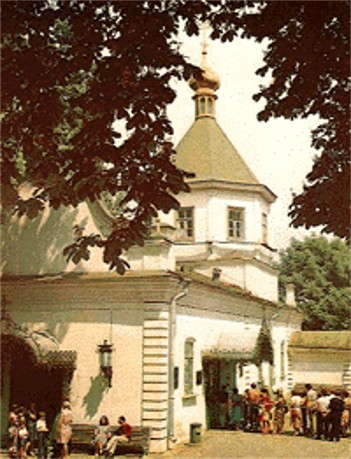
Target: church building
[(198, 310)]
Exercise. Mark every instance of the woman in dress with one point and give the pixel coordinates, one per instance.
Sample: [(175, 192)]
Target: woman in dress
[(265, 412), (279, 412), (64, 429), (236, 410), (102, 434)]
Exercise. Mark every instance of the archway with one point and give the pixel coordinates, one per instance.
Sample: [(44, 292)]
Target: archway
[(33, 369)]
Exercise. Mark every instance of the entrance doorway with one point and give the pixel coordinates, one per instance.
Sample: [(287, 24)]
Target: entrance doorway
[(24, 380), (220, 378)]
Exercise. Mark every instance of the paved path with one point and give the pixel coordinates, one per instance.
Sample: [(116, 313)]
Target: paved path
[(239, 445)]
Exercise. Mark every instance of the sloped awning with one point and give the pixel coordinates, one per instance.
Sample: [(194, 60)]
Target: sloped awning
[(233, 346), (43, 347)]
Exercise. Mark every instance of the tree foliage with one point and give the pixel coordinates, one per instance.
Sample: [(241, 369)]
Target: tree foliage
[(319, 270), (70, 69), (263, 351), (308, 61)]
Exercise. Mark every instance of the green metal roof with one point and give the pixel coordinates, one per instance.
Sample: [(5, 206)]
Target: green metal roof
[(206, 151)]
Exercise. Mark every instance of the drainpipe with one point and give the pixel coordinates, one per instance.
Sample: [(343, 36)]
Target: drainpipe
[(172, 332)]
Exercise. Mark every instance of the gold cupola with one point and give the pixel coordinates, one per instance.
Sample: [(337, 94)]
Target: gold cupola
[(205, 87)]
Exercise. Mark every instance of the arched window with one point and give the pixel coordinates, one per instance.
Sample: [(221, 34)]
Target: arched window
[(210, 106), (189, 366), (202, 105)]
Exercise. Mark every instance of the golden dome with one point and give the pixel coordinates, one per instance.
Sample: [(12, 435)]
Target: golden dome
[(209, 78)]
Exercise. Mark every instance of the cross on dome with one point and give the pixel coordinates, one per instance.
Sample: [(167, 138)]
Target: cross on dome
[(205, 85)]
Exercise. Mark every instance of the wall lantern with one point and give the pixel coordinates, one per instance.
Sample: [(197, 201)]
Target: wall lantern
[(105, 354)]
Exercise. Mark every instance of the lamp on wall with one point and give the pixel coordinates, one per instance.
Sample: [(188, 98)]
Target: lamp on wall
[(105, 354)]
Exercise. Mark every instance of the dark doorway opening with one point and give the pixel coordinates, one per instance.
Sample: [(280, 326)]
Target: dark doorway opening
[(220, 379), (31, 381)]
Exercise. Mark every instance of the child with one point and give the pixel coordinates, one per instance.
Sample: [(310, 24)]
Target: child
[(42, 433), (23, 437), (102, 434)]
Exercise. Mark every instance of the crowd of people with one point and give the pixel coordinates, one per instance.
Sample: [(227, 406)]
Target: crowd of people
[(29, 434), (322, 415), (319, 414)]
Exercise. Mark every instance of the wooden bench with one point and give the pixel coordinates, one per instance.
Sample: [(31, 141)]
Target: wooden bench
[(83, 435)]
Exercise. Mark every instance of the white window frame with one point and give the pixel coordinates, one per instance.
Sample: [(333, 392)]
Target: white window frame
[(236, 224), (189, 367), (183, 227)]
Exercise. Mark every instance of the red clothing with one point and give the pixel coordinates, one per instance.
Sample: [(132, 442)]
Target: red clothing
[(126, 430)]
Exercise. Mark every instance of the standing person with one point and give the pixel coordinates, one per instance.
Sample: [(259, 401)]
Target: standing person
[(42, 433), (246, 410), (236, 410), (23, 439), (311, 410), (336, 408), (296, 403), (223, 406), (32, 417), (304, 413), (122, 435), (64, 429), (346, 414), (265, 415), (253, 398), (322, 414), (279, 412), (102, 434), (13, 436)]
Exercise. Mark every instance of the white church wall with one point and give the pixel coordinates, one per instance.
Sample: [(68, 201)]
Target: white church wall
[(261, 282), (81, 325), (319, 366), (205, 328)]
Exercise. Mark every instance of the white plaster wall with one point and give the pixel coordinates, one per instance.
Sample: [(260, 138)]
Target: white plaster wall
[(35, 247), (319, 368), (261, 282), (83, 330), (211, 218), (247, 275), (206, 332)]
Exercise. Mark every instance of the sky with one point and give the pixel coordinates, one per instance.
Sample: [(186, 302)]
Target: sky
[(277, 151)]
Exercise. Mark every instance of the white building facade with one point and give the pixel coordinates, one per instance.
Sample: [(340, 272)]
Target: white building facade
[(183, 322)]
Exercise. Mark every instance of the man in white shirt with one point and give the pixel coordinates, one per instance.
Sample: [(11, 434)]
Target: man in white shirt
[(311, 407), (323, 414)]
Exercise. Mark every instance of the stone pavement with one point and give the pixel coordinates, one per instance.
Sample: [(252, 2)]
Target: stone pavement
[(218, 444)]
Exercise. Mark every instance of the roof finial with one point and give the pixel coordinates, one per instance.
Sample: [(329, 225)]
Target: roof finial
[(204, 28)]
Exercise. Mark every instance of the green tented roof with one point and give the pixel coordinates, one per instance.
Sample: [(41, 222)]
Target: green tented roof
[(206, 151)]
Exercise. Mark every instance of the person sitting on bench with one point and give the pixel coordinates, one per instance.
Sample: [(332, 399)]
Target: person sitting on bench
[(122, 435)]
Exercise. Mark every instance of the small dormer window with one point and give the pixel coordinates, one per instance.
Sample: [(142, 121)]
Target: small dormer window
[(236, 223), (185, 223)]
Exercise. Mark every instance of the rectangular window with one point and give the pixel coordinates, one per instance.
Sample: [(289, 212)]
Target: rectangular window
[(264, 228), (189, 367), (282, 360), (186, 223), (236, 223)]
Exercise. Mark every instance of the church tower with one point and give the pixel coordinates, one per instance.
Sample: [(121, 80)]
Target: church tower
[(222, 225)]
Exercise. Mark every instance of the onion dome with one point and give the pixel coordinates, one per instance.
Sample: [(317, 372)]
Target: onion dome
[(205, 86)]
